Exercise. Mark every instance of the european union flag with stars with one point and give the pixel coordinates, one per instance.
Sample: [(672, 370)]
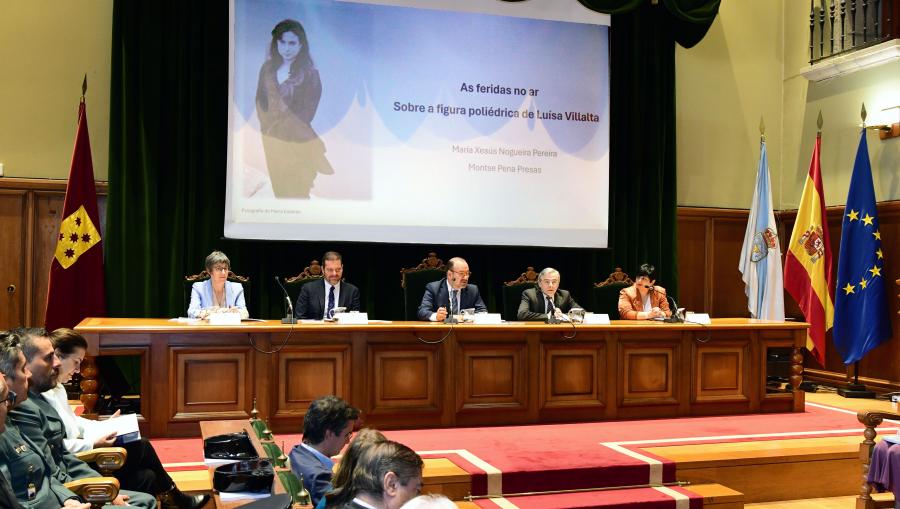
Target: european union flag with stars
[(861, 319)]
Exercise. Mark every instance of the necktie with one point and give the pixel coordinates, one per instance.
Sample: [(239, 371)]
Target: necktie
[(550, 306), (330, 312), (453, 301)]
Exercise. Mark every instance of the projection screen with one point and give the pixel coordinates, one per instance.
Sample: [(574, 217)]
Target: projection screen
[(440, 122)]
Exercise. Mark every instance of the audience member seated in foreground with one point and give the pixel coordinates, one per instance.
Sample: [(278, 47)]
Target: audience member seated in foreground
[(40, 423), (387, 476), (216, 292), (25, 477), (142, 470), (363, 439), (451, 294), (430, 502), (644, 300), (548, 297), (327, 427)]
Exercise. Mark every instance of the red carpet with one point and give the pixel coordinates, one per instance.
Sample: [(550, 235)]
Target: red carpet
[(518, 459)]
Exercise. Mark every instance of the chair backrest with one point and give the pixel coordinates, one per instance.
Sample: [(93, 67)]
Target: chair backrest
[(606, 293), (413, 281), (310, 273), (203, 276), (512, 293)]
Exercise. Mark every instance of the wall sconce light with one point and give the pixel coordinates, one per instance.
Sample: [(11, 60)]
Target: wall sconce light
[(890, 128)]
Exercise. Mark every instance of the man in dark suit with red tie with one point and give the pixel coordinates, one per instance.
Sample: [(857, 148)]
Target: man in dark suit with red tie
[(450, 295), (318, 299)]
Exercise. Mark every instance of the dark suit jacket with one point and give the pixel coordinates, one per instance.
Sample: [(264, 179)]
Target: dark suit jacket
[(316, 475), (311, 301), (532, 305), (436, 296)]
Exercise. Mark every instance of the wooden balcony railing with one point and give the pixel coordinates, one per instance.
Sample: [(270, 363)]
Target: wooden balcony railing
[(841, 26)]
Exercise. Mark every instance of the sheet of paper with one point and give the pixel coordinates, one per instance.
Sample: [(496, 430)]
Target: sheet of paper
[(122, 425)]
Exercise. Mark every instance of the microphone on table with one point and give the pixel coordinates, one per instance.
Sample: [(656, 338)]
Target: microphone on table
[(289, 314), (676, 317)]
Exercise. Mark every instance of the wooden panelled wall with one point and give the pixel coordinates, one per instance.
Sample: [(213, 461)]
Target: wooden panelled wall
[(30, 211), (709, 247), (709, 244)]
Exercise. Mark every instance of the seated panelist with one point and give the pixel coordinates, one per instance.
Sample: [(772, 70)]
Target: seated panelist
[(318, 299), (644, 300), (216, 292), (451, 294), (538, 303)]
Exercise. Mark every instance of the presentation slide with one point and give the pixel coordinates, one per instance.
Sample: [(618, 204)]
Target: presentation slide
[(452, 122)]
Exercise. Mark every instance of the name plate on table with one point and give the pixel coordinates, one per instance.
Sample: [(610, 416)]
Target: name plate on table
[(224, 318), (487, 319), (352, 318), (701, 318), (596, 319)]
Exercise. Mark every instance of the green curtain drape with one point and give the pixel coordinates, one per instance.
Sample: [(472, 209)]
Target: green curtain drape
[(168, 132)]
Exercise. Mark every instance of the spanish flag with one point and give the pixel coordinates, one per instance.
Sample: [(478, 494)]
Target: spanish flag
[(76, 273), (807, 266)]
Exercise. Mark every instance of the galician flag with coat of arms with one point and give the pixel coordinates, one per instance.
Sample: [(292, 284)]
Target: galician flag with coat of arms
[(760, 263), (76, 273)]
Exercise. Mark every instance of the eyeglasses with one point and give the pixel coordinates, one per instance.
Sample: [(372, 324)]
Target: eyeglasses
[(10, 399), (219, 269), (462, 273)]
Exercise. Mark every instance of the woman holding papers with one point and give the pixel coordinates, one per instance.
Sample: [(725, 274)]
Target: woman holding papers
[(142, 470), (645, 300), (216, 292)]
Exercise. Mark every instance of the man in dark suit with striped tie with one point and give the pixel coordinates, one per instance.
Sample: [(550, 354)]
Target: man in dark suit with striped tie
[(317, 300)]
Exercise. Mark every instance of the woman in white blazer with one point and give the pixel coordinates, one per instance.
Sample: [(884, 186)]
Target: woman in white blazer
[(216, 292)]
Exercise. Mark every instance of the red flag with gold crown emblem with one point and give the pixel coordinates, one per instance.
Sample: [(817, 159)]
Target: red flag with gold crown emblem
[(76, 273)]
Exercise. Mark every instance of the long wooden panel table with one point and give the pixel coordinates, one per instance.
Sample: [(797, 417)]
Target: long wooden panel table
[(419, 374)]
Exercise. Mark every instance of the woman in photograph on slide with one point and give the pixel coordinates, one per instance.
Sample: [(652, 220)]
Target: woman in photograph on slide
[(287, 97)]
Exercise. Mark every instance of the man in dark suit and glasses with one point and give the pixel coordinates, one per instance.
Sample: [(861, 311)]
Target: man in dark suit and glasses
[(318, 299), (450, 295), (538, 303)]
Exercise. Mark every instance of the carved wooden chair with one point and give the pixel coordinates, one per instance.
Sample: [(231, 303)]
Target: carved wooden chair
[(512, 292), (413, 281), (106, 459), (203, 276), (606, 293), (310, 273), (871, 419), (99, 491)]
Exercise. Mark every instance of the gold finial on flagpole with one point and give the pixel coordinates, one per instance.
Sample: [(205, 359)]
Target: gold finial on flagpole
[(819, 122), (762, 129), (83, 87), (862, 115)]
